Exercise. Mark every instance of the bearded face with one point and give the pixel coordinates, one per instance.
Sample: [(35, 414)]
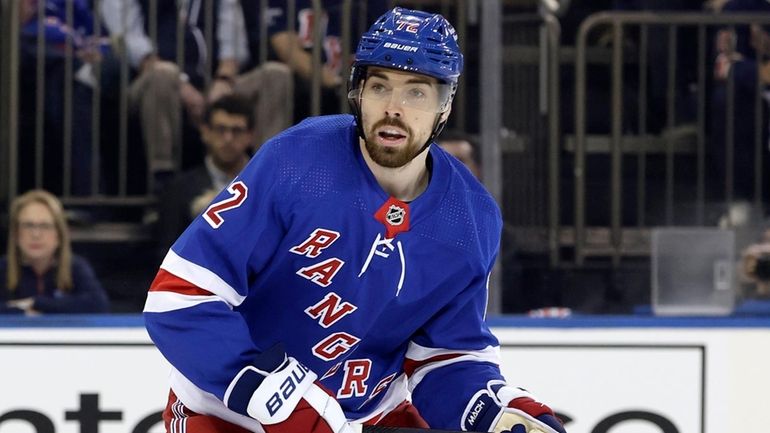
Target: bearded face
[(391, 143), (398, 113)]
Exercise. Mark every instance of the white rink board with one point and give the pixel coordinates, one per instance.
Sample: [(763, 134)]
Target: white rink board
[(54, 369), (701, 380), (598, 373), (600, 382)]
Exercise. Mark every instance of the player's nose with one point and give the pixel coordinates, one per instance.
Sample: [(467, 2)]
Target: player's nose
[(395, 106)]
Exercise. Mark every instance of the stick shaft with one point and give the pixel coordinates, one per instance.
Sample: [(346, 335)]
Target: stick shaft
[(381, 429)]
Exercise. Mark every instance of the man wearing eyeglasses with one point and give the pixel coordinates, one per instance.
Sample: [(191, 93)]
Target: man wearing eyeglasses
[(341, 278), (228, 134)]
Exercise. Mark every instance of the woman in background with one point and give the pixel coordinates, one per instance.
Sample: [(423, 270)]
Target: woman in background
[(40, 273)]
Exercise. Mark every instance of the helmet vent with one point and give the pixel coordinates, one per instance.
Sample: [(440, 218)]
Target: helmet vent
[(432, 50)]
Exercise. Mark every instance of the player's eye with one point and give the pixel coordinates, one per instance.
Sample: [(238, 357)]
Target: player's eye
[(416, 94), (377, 88)]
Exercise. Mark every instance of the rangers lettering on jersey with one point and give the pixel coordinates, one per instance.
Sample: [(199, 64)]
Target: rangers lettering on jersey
[(356, 373), (330, 310), (332, 371), (322, 273), (318, 241), (382, 385), (335, 345)]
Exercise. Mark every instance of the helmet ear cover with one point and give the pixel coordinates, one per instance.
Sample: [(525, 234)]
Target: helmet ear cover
[(408, 41)]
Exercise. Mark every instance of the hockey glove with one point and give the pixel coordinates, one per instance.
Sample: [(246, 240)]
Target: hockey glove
[(284, 396), (503, 408)]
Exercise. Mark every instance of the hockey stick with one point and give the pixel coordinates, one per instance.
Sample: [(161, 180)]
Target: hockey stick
[(530, 424), (358, 428)]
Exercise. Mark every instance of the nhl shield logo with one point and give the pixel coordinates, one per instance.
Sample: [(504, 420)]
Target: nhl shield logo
[(395, 215)]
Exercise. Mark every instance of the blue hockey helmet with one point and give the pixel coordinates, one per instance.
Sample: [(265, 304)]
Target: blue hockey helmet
[(410, 41)]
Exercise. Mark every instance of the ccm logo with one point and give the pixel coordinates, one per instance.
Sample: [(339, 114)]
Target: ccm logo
[(287, 389)]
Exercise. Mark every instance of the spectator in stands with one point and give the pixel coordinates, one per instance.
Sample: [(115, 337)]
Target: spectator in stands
[(268, 89), (87, 52), (463, 147), (161, 88), (293, 46), (738, 52), (754, 271), (228, 133), (40, 273)]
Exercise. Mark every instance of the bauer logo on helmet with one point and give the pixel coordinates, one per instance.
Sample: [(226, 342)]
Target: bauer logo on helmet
[(395, 46)]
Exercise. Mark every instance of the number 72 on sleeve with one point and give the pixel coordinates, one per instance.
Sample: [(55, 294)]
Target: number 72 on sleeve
[(213, 214)]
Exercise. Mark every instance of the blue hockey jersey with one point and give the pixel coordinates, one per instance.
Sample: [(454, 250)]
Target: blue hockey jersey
[(292, 252)]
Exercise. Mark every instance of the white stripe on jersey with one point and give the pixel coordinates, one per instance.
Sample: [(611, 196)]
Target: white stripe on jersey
[(201, 277), (205, 403), (416, 352), (161, 302), (394, 396), (178, 423)]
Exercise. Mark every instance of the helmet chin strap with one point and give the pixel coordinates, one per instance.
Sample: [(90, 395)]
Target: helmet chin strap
[(438, 126)]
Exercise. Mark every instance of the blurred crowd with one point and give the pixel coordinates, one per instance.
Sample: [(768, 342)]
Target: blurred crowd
[(200, 84)]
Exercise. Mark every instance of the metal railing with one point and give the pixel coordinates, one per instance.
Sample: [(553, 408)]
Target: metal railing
[(120, 139), (622, 24), (530, 130), (524, 147)]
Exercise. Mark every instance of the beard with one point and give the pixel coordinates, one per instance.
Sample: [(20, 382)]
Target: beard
[(391, 157)]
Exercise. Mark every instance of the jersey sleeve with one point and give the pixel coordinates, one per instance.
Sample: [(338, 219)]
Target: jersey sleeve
[(455, 355), (191, 309)]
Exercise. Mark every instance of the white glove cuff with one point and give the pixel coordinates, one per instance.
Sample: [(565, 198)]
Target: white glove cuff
[(327, 407), (280, 392), (506, 394)]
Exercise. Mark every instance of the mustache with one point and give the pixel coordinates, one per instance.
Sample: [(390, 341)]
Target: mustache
[(392, 121)]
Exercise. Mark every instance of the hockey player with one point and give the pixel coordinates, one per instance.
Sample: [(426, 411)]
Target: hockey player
[(342, 276)]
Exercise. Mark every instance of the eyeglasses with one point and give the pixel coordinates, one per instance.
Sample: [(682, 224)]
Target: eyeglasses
[(235, 130), (432, 98), (29, 226)]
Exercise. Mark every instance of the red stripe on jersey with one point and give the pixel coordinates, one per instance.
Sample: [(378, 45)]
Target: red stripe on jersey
[(410, 365), (403, 415), (178, 418), (165, 281)]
